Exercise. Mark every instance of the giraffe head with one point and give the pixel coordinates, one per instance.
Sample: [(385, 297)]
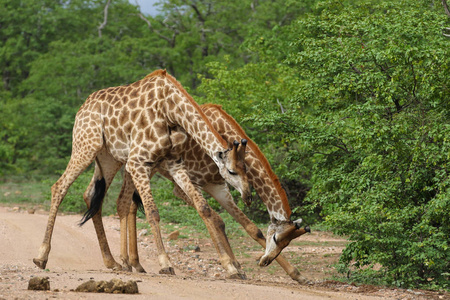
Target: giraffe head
[(279, 235), (232, 167)]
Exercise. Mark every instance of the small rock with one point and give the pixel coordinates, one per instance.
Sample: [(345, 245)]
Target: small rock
[(174, 235), (114, 286), (39, 284), (18, 192), (7, 194), (31, 211)]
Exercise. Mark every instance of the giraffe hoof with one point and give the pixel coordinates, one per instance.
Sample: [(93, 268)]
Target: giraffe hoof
[(40, 263), (168, 271), (241, 276), (127, 268), (295, 275), (139, 268)]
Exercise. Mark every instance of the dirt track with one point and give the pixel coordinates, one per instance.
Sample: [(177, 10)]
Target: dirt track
[(75, 258)]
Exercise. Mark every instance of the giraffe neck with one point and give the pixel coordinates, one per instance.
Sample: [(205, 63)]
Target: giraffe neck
[(260, 175), (182, 110)]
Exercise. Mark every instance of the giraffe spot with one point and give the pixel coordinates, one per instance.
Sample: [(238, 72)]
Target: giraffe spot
[(167, 90), (254, 172), (110, 110), (267, 190), (134, 93), (142, 101), (112, 139), (128, 90), (120, 135), (220, 124), (160, 83), (97, 107), (148, 134), (258, 181), (151, 115), (134, 114), (160, 92), (115, 100), (127, 128), (139, 138), (212, 168), (132, 104), (125, 100), (113, 122), (143, 123), (123, 118), (171, 104), (146, 87), (277, 206), (160, 129), (102, 96), (165, 143)]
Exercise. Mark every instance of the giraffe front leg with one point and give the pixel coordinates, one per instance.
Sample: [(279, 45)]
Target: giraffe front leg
[(77, 164), (141, 179), (213, 222)]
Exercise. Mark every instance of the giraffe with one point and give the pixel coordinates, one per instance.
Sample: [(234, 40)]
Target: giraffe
[(131, 125), (178, 140), (281, 230)]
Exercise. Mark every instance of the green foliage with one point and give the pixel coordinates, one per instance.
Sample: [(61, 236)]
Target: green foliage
[(373, 113)]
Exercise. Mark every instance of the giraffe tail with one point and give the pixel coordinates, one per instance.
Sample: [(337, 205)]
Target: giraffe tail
[(138, 201), (96, 201)]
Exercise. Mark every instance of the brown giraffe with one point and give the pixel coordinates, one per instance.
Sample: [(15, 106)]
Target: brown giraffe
[(281, 230), (131, 125), (179, 145)]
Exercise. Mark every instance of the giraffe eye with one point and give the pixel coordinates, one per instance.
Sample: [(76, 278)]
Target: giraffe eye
[(232, 172), (274, 238)]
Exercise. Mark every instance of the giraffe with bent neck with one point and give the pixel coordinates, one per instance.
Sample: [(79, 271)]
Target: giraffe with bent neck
[(131, 125), (204, 174)]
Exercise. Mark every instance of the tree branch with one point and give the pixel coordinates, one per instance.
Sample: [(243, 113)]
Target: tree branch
[(168, 39), (447, 12), (105, 19)]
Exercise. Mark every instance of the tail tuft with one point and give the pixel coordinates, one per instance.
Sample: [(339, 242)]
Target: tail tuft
[(96, 201), (138, 201)]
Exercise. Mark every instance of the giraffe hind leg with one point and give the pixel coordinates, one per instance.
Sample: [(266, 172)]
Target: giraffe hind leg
[(106, 168)]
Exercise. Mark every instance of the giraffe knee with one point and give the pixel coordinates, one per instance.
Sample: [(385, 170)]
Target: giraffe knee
[(205, 211), (154, 216)]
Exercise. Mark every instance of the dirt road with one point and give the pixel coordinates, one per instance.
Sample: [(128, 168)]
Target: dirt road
[(75, 258)]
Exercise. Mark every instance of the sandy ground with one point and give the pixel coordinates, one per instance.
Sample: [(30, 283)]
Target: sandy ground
[(75, 258)]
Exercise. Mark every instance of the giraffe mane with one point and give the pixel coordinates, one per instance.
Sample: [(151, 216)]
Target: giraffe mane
[(258, 153), (163, 73)]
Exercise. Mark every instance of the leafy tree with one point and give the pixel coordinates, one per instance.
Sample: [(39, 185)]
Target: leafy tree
[(373, 114)]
